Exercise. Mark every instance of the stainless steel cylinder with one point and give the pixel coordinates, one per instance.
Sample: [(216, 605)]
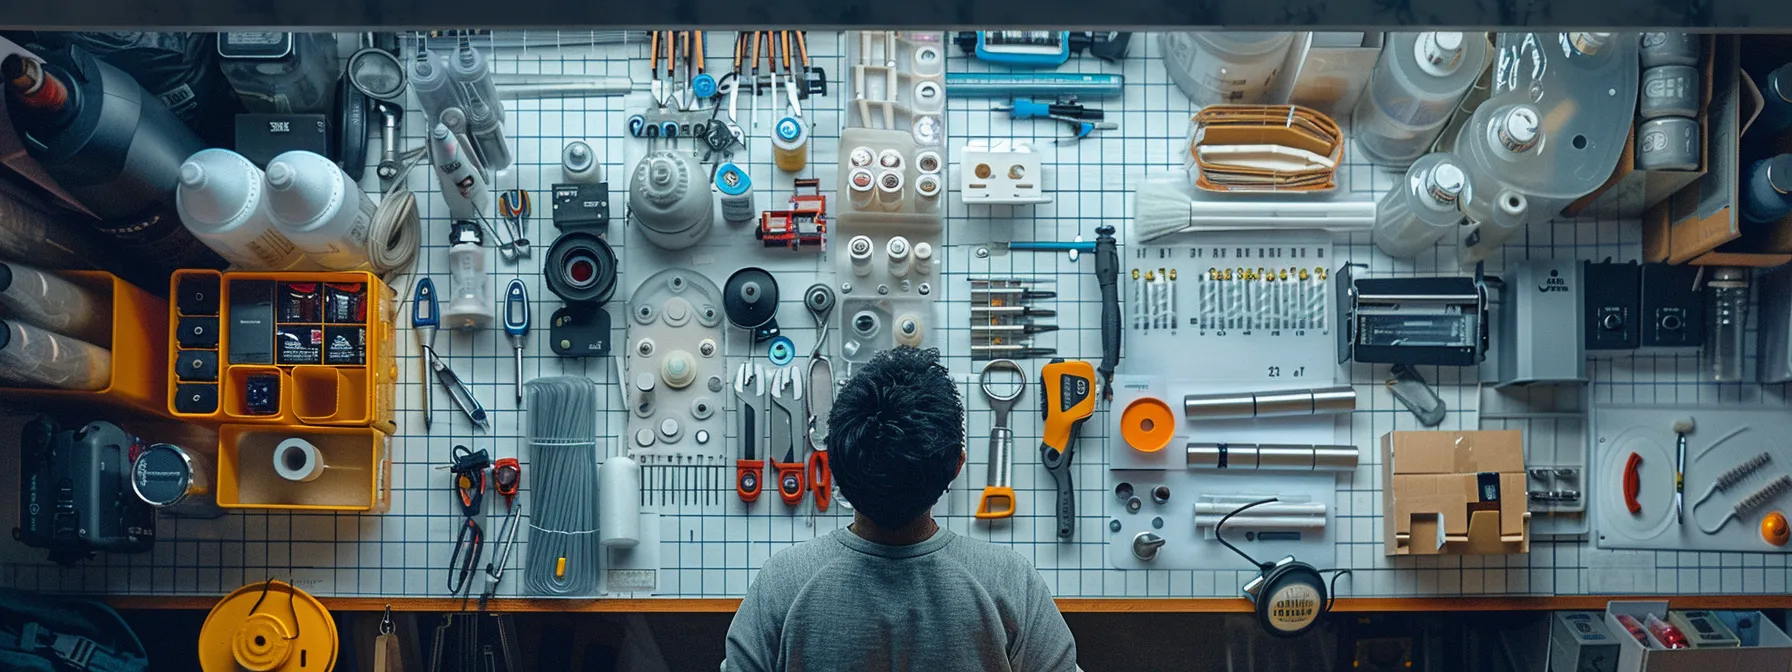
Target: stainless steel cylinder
[(1270, 457), (1273, 404)]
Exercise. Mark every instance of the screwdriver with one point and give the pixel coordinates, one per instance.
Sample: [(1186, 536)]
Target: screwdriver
[(516, 325), (423, 323), (1023, 108)]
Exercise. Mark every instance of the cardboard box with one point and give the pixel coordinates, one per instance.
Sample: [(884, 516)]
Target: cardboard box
[(1772, 651), (1454, 493)]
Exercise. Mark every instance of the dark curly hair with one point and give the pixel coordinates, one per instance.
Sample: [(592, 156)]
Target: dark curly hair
[(896, 435)]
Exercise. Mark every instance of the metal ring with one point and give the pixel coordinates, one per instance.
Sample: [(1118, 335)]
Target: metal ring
[(1005, 365)]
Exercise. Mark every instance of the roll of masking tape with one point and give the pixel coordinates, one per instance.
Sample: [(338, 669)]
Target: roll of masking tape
[(297, 460)]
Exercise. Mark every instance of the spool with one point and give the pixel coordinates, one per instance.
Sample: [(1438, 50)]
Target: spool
[(861, 188), (736, 189), (750, 300), (1668, 143), (619, 507), (578, 164), (178, 483), (1669, 91), (897, 256), (320, 209), (889, 190), (790, 144), (581, 268), (220, 201), (268, 627), (298, 460), (923, 256), (859, 250), (1147, 424)]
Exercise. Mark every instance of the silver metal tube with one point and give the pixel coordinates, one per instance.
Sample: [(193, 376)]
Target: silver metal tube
[(1270, 457), (1261, 510), (1264, 522), (1270, 404)]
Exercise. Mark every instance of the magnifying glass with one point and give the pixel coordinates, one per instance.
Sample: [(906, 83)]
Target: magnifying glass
[(376, 73)]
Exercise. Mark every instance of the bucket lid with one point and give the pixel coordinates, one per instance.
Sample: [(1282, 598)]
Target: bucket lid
[(268, 627)]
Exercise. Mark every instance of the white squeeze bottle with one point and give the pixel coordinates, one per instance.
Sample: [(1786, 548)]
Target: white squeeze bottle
[(220, 200), (319, 209)]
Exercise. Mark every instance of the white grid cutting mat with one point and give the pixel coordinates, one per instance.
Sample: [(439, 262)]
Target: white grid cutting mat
[(713, 544)]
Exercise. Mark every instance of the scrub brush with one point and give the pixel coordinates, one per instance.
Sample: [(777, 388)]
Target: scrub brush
[(1166, 205)]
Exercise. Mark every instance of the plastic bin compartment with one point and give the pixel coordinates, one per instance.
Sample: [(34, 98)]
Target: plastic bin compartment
[(355, 473), (141, 369), (236, 393), (328, 395)]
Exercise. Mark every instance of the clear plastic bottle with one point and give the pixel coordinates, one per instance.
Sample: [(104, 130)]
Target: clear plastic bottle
[(487, 132), (1508, 211), (1422, 208), (45, 300), (430, 81), (33, 357), (1727, 312), (470, 69), (1499, 142), (1225, 67), (1417, 83)]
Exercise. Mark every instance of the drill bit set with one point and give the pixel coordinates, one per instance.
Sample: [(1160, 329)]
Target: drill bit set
[(1004, 319)]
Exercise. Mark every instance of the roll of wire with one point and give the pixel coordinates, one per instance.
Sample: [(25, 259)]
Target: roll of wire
[(563, 552)]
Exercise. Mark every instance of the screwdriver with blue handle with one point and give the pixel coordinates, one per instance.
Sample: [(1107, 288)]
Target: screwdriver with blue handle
[(516, 325), (1082, 120)]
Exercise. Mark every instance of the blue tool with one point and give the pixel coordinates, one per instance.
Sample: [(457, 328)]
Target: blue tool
[(1040, 84), (516, 326), (1082, 120), (426, 315)]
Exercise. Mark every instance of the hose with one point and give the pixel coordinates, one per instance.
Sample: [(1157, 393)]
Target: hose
[(563, 552)]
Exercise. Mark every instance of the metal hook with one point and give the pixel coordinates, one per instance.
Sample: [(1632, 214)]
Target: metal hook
[(386, 621)]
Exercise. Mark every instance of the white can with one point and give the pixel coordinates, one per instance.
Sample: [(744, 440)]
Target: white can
[(319, 209)]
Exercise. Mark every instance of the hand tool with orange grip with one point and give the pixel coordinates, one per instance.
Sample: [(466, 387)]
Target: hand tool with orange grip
[(1067, 398), (998, 495), (1633, 483), (787, 397), (819, 299), (748, 470)]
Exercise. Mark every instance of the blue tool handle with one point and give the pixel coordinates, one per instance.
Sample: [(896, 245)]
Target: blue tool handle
[(1051, 246), (516, 308), (424, 311), (1027, 109)]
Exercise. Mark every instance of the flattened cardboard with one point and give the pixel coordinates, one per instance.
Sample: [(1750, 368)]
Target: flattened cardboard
[(1432, 502)]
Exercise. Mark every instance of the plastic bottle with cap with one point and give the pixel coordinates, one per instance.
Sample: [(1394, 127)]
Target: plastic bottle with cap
[(790, 144), (578, 164), (899, 256), (435, 91), (1496, 146), (669, 200), (40, 298), (736, 189), (320, 209), (1415, 87), (470, 306), (469, 69), (1422, 209), (859, 251), (923, 258), (220, 198), (1767, 194), (34, 357), (1232, 67)]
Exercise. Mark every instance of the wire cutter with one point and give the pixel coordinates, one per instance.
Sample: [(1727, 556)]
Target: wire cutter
[(425, 317)]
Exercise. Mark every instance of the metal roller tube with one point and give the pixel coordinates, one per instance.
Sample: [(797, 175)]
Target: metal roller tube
[(1270, 457), (1266, 510), (1272, 404), (1264, 522)]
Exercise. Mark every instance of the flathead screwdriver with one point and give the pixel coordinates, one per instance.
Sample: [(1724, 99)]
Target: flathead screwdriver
[(516, 325)]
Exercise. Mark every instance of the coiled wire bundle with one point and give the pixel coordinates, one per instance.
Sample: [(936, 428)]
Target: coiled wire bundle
[(564, 554)]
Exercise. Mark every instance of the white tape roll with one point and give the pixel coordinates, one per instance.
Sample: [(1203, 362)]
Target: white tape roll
[(297, 460), (619, 503)]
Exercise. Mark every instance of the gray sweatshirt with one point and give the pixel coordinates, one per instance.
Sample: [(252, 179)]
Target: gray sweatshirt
[(948, 603)]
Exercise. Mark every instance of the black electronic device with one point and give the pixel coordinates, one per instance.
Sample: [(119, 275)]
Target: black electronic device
[(580, 206), (1673, 308), (581, 268), (261, 137), (251, 322), (1440, 321), (750, 298), (75, 492), (1288, 596), (579, 330), (1612, 296)]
